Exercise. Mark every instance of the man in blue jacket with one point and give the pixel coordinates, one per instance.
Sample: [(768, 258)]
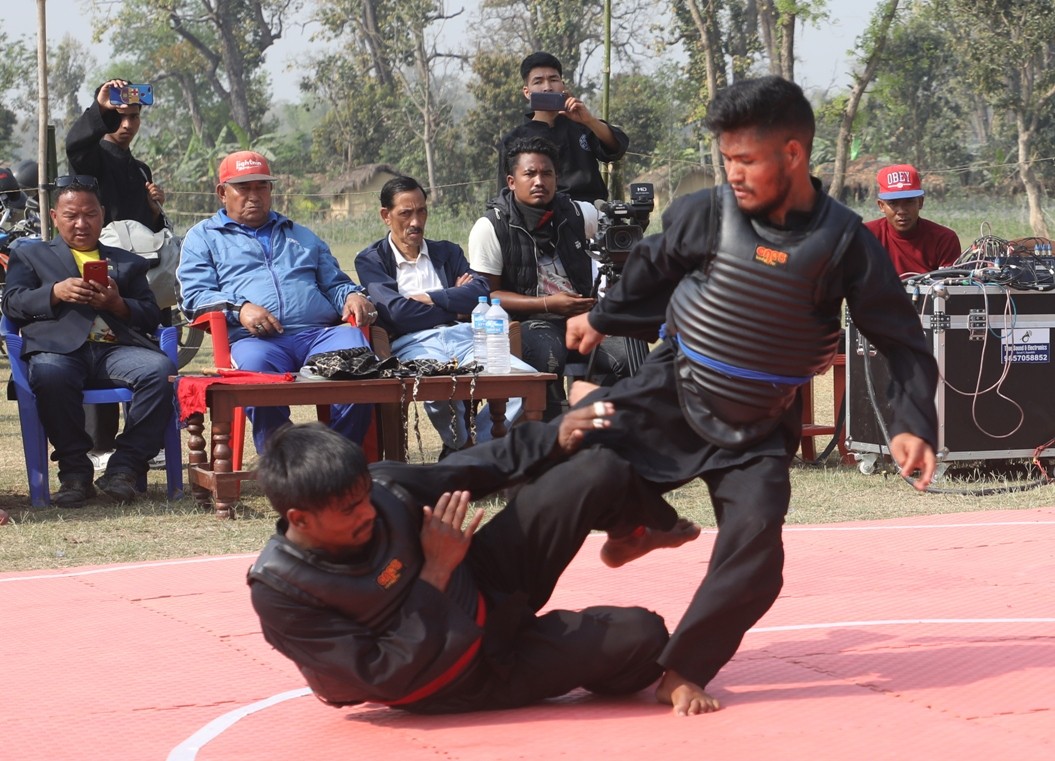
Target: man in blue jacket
[(283, 292), (423, 289)]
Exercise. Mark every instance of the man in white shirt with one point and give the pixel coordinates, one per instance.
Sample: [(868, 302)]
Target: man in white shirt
[(422, 289), (532, 246)]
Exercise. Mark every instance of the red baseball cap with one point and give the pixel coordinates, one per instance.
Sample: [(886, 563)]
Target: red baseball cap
[(244, 166), (899, 181)]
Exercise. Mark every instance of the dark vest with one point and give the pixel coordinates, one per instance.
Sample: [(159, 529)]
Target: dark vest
[(520, 253), (754, 307), (372, 591)]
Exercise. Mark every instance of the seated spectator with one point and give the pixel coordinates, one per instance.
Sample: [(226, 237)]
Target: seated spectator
[(915, 245), (581, 138), (422, 288), (532, 246), (79, 334), (284, 293)]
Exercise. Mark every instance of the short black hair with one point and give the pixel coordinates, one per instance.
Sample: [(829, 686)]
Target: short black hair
[(768, 104), (308, 466), (400, 184), (539, 60), (76, 187), (524, 145)]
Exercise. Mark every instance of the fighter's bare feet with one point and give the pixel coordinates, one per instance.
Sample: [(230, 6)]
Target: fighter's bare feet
[(617, 552), (687, 698), (579, 389)]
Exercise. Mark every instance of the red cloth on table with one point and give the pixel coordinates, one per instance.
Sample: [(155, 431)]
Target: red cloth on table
[(190, 391)]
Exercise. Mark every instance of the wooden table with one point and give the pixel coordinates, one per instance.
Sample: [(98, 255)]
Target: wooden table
[(213, 481)]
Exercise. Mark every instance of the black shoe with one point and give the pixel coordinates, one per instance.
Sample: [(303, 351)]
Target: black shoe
[(73, 492), (120, 487)]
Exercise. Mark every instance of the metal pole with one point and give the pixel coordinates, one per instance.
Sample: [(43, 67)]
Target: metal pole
[(606, 82), (42, 119)]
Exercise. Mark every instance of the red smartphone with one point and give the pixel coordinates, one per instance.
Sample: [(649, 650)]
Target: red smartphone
[(97, 271)]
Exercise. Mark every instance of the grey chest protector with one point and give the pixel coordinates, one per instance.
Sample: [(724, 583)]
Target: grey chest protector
[(749, 326)]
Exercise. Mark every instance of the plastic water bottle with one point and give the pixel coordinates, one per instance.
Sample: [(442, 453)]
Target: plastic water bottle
[(479, 322), (497, 338)]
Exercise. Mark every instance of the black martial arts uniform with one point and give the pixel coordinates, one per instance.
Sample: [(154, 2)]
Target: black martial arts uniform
[(750, 488), (371, 631)]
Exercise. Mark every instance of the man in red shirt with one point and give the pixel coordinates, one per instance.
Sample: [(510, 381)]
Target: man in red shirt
[(915, 245)]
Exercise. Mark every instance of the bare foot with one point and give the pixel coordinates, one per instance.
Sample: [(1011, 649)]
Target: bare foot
[(617, 552), (579, 389), (687, 698)]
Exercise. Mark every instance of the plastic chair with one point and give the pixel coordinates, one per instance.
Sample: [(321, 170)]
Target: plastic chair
[(215, 323), (35, 442)]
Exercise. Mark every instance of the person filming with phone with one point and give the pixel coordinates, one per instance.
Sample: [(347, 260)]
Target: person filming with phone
[(558, 116), (99, 144), (85, 311)]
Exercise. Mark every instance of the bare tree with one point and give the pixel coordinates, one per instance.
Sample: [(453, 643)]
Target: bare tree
[(871, 45)]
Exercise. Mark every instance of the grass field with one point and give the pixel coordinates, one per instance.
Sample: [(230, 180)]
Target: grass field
[(152, 529)]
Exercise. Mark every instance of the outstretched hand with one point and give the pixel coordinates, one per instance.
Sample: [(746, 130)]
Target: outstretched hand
[(444, 541), (580, 335), (911, 453), (575, 424)]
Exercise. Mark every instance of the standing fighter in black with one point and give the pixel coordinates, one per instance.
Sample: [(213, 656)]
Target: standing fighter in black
[(750, 278)]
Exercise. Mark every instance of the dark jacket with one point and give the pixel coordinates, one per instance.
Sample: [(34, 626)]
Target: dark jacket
[(33, 270), (122, 178), (520, 252), (577, 172), (376, 268)]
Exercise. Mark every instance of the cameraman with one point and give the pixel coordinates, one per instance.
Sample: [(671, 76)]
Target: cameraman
[(532, 247)]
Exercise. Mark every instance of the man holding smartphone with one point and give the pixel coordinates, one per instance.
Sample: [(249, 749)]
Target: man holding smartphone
[(84, 311), (99, 145), (581, 138)]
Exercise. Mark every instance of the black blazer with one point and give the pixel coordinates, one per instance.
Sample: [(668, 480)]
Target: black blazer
[(36, 267)]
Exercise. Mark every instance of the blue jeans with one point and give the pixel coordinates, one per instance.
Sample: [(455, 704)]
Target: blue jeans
[(58, 380), (286, 353), (444, 343)]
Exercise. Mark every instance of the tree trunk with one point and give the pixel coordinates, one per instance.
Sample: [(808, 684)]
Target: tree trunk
[(707, 29), (787, 46), (861, 82), (1034, 191)]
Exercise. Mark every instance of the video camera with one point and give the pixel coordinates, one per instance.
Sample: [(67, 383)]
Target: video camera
[(621, 225)]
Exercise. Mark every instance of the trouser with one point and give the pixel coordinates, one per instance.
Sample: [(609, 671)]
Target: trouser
[(443, 344), (287, 353), (745, 573), (59, 380), (517, 558), (101, 421), (543, 348)]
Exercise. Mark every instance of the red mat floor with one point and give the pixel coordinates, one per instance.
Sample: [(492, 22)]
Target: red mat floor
[(924, 638)]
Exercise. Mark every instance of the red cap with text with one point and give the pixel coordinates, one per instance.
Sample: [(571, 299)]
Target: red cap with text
[(899, 181), (244, 166)]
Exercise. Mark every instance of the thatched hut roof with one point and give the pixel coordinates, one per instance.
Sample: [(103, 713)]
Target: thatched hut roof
[(355, 180)]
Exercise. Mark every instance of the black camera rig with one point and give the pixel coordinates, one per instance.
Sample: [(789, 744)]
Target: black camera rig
[(621, 225)]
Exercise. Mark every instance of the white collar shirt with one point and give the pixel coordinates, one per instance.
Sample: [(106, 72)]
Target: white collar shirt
[(415, 277)]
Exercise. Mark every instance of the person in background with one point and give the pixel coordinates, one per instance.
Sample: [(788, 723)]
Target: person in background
[(915, 245), (581, 138), (81, 334), (283, 292), (99, 144), (422, 290)]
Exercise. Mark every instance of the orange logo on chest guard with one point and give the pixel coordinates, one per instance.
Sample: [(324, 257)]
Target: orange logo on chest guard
[(391, 574), (771, 257)]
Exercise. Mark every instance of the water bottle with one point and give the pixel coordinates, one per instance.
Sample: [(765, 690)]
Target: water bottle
[(497, 338), (479, 322)]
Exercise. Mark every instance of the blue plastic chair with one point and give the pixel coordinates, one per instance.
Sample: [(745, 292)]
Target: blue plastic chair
[(35, 443)]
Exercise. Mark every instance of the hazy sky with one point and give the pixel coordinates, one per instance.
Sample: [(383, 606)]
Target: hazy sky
[(822, 61)]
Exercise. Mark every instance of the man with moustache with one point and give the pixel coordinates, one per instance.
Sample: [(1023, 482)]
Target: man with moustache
[(749, 279), (532, 247), (381, 588), (422, 290), (283, 292)]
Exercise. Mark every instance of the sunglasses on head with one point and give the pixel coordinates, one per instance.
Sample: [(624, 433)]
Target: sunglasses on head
[(76, 180)]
